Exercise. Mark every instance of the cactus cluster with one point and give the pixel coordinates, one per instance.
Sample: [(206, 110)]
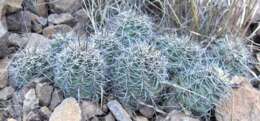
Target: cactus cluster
[(129, 62)]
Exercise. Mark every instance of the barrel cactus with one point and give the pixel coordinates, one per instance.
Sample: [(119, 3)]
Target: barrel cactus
[(27, 65), (138, 73), (232, 55), (79, 70), (131, 27)]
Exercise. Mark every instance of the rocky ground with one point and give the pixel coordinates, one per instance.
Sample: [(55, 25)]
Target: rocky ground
[(23, 25)]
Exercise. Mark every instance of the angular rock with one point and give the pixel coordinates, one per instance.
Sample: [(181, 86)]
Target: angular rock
[(118, 111), (15, 108), (10, 6), (35, 40), (68, 110), (38, 7), (11, 119), (3, 26), (109, 117), (63, 18), (159, 118), (45, 112), (17, 40), (56, 98), (241, 105), (37, 25), (44, 92), (141, 118), (81, 16), (178, 116), (30, 102), (146, 111), (50, 31), (32, 116), (19, 22), (4, 72), (90, 110), (13, 5), (59, 6), (29, 41), (256, 17), (6, 93)]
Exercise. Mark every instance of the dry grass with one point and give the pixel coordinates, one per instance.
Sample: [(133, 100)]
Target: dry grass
[(203, 18)]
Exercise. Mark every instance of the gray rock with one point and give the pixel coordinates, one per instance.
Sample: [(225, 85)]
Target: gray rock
[(81, 16), (19, 22), (141, 118), (256, 17), (63, 18), (45, 112), (9, 6), (50, 31), (32, 116), (11, 119), (147, 112), (59, 6), (56, 98), (118, 111), (90, 110), (109, 117), (4, 71), (178, 116), (44, 92), (35, 40), (6, 93), (30, 102), (15, 109), (3, 26), (38, 7)]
